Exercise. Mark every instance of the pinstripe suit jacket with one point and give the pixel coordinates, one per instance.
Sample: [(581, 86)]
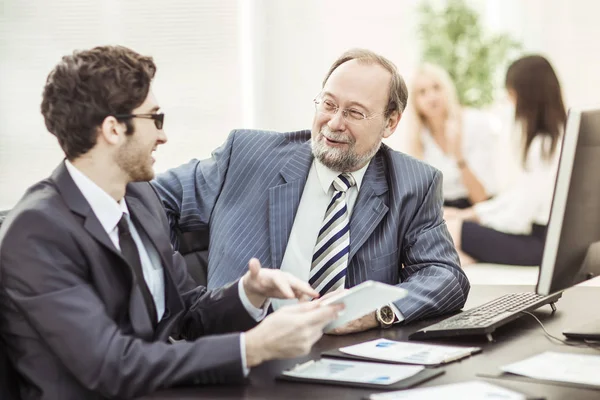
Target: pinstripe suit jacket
[(248, 192)]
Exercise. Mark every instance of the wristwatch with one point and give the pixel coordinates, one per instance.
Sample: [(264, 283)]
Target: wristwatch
[(385, 316)]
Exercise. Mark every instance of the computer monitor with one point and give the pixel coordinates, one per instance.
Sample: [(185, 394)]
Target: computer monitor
[(572, 247)]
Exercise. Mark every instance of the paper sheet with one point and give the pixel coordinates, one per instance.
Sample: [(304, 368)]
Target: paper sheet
[(470, 390), (561, 367), (410, 353)]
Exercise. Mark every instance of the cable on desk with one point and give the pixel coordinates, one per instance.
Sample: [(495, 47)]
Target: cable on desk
[(590, 344)]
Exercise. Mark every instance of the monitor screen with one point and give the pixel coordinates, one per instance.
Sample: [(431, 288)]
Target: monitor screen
[(572, 247)]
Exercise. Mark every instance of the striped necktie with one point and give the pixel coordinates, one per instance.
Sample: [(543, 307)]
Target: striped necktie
[(330, 257)]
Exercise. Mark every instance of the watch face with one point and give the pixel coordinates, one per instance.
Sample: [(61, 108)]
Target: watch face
[(387, 314)]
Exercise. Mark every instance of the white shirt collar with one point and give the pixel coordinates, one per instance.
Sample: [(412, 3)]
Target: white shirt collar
[(108, 211), (326, 175)]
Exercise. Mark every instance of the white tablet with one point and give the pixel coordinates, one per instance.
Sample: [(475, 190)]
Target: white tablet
[(363, 299)]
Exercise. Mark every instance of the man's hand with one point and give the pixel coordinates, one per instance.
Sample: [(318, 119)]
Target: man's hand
[(262, 283), (358, 325), (289, 332)]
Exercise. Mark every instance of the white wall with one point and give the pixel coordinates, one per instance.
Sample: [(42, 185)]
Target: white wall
[(196, 45)]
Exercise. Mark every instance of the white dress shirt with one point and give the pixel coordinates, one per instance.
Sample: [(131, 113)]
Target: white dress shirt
[(109, 212), (527, 196), (297, 259), (478, 142)]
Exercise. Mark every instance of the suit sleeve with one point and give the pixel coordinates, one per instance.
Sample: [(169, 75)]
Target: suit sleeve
[(189, 192), (45, 276), (432, 275)]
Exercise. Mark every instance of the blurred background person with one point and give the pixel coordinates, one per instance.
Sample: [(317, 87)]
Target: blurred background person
[(456, 140), (511, 227)]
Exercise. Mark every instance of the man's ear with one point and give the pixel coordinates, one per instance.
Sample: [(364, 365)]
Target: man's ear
[(392, 123), (111, 130)]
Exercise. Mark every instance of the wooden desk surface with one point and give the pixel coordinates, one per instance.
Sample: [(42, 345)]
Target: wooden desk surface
[(520, 339)]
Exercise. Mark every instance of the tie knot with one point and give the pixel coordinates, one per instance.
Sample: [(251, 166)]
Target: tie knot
[(343, 182), (123, 225)]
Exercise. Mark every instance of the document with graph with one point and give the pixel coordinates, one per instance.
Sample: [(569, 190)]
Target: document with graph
[(406, 352)]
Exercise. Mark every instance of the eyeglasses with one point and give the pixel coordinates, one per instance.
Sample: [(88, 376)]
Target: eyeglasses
[(159, 119), (326, 106)]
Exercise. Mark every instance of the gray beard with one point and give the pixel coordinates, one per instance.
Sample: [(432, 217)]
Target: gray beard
[(342, 160)]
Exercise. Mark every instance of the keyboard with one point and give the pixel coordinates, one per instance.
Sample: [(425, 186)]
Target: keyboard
[(485, 319)]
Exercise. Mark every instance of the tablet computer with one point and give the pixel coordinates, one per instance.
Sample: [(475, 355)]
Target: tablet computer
[(361, 300)]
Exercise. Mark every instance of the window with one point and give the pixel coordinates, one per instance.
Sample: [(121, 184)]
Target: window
[(195, 45)]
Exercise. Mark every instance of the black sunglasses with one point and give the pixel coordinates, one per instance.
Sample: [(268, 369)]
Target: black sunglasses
[(159, 119)]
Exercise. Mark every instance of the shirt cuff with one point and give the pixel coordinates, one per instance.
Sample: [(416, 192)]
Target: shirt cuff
[(245, 368), (257, 313), (399, 316)]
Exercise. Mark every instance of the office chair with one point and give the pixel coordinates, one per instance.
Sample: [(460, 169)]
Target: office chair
[(193, 246)]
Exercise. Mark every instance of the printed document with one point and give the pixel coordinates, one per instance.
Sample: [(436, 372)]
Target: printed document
[(409, 353), (471, 390), (559, 367)]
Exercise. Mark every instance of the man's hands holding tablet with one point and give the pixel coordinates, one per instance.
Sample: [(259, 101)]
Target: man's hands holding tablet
[(360, 304)]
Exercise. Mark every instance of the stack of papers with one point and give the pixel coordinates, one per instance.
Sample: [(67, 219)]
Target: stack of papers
[(409, 353), (580, 369), (458, 391)]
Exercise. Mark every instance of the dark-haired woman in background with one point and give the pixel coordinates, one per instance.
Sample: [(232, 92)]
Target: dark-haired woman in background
[(511, 227)]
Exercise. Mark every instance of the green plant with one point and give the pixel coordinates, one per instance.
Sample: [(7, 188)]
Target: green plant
[(453, 38)]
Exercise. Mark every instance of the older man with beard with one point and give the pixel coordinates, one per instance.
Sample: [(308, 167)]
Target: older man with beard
[(332, 206)]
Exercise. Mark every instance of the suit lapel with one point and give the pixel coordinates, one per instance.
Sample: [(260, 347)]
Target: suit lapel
[(284, 200), (74, 199), (369, 208)]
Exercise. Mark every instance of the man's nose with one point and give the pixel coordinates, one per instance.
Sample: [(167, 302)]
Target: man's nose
[(337, 121), (162, 137)]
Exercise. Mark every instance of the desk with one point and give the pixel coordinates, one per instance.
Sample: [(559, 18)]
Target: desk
[(520, 339)]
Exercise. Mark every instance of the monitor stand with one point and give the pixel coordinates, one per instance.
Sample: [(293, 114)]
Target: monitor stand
[(589, 331)]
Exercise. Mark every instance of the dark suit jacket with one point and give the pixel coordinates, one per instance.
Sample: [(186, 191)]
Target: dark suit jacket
[(248, 193), (75, 324)]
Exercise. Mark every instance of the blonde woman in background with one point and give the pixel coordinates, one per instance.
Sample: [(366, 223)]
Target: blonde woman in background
[(511, 228), (456, 140)]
